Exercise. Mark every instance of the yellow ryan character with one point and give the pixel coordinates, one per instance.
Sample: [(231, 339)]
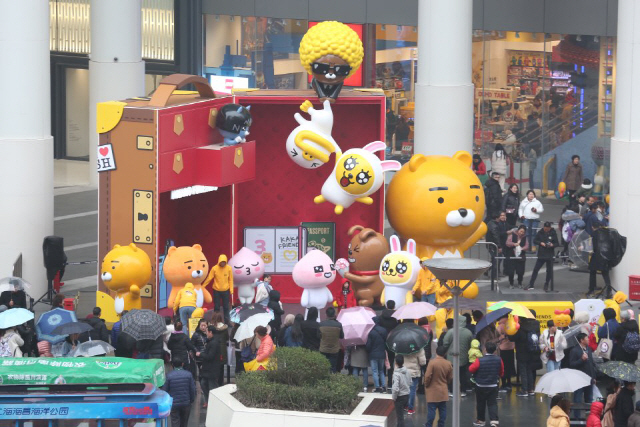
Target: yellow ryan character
[(330, 52), (357, 174), (125, 269)]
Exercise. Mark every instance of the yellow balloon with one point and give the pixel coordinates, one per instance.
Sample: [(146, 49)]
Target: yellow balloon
[(607, 199), (471, 292)]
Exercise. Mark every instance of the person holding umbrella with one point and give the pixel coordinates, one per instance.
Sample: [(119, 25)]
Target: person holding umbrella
[(377, 354), (581, 358), (488, 370), (436, 381)]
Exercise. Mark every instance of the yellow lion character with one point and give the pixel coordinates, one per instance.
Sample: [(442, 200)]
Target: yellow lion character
[(330, 52), (125, 269), (187, 264)]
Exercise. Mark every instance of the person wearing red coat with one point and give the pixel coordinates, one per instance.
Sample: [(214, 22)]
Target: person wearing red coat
[(346, 298), (593, 420), (478, 165)]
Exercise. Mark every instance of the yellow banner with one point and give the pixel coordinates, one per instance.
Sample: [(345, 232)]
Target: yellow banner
[(544, 309), (193, 325)]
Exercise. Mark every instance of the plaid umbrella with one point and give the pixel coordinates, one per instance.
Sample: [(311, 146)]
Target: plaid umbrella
[(407, 338), (72, 328), (621, 370), (143, 324), (243, 312), (50, 320)]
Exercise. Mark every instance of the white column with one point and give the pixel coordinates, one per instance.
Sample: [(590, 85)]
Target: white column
[(444, 92), (625, 145), (116, 68), (26, 144)]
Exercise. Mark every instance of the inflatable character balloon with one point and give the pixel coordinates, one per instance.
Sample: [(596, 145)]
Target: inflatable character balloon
[(357, 174), (512, 326), (187, 264), (562, 318), (247, 266), (365, 253), (330, 52), (438, 201), (313, 273), (125, 269), (399, 272), (233, 123), (310, 144)]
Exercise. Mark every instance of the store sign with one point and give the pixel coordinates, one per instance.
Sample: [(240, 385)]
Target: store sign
[(407, 148), (106, 160), (496, 94)]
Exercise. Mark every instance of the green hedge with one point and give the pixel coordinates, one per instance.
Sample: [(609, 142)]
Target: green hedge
[(298, 379)]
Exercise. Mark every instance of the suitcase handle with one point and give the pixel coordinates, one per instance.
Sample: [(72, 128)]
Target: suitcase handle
[(176, 81)]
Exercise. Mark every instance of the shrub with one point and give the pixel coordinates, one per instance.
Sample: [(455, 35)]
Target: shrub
[(297, 366), (298, 379)]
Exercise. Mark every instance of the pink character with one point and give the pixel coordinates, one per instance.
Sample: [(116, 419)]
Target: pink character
[(247, 268), (314, 272)]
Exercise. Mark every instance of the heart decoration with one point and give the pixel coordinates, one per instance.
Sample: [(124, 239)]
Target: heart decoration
[(104, 151), (290, 255)]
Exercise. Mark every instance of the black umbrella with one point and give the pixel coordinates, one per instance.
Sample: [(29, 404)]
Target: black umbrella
[(143, 324), (72, 328), (407, 338), (621, 370), (465, 304), (490, 318), (243, 312)]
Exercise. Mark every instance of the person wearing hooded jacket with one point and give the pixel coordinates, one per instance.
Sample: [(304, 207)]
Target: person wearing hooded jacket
[(414, 363), (185, 303), (559, 414), (400, 389), (182, 348), (627, 325), (595, 414), (376, 348), (528, 359), (222, 286), (465, 337)]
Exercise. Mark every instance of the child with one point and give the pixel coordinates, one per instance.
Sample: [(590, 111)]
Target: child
[(474, 353), (400, 388)]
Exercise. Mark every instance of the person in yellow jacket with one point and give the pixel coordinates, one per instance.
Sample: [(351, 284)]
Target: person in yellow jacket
[(185, 303), (222, 285), (426, 285)]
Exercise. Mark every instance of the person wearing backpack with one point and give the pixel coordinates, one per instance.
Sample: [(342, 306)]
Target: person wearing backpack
[(10, 343), (581, 358), (627, 340), (527, 354)]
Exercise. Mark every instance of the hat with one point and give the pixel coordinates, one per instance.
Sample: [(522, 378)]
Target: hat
[(547, 224), (586, 184)]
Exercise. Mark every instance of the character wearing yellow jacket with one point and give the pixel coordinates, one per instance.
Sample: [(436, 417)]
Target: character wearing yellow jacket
[(185, 304), (426, 285), (222, 286)]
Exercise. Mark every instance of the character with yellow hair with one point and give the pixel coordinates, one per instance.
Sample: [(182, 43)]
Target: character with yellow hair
[(330, 52)]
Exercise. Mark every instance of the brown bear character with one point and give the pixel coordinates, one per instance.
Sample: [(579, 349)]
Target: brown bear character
[(366, 250)]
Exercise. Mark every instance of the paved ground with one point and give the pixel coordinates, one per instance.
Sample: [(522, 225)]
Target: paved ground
[(76, 220)]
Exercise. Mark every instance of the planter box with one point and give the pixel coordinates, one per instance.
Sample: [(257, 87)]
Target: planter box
[(225, 410)]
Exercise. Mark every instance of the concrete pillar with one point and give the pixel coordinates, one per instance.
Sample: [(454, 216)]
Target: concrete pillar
[(116, 68), (625, 145), (26, 144), (444, 92)]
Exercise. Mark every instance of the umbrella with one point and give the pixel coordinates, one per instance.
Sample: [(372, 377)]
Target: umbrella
[(580, 248), (143, 324), (50, 320), (562, 381), (357, 322), (571, 333), (246, 328), (415, 310), (407, 338), (14, 317), (72, 328), (464, 303), (621, 370), (91, 348), (14, 283), (491, 317), (243, 312), (517, 309), (592, 306)]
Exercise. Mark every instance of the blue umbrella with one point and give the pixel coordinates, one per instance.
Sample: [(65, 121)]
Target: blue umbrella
[(14, 317), (490, 318), (52, 319)]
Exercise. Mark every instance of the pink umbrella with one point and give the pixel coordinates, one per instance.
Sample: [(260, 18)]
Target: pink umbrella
[(415, 310), (357, 322)]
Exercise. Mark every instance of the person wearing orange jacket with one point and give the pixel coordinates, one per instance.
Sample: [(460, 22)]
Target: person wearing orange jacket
[(222, 286), (426, 285)]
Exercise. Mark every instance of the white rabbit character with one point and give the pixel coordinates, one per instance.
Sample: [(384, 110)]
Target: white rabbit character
[(399, 272), (310, 144), (357, 174)]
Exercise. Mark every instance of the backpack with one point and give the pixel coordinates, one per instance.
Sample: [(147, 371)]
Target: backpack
[(631, 342), (532, 341), (5, 347), (246, 355)]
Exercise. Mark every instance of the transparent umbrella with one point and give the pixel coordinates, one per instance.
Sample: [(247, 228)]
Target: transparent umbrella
[(580, 248), (14, 284), (562, 381), (91, 349)]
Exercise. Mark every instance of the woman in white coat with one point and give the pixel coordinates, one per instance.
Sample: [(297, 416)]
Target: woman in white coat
[(552, 344), (529, 212), (499, 161)]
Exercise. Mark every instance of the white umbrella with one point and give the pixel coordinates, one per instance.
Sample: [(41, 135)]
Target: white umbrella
[(562, 381), (14, 283), (92, 348), (592, 306), (246, 328)]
